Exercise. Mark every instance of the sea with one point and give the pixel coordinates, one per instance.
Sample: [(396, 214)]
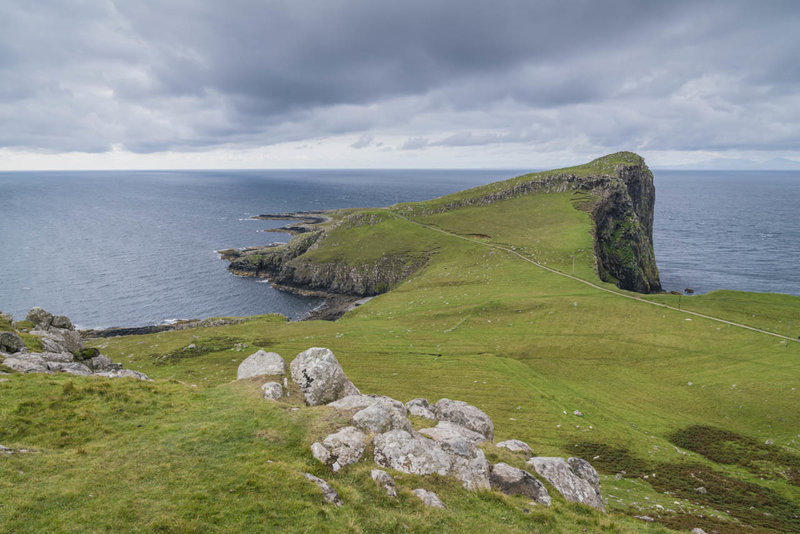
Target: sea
[(135, 248)]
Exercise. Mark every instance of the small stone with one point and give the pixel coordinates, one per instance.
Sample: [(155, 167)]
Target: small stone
[(428, 498), (384, 480), (701, 490), (272, 391), (328, 493), (515, 445), (769, 442), (577, 413), (698, 530), (645, 518)]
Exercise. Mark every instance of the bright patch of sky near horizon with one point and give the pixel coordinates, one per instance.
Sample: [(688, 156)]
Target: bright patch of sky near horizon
[(103, 84)]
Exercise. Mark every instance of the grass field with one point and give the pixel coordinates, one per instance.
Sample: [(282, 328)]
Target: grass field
[(669, 402)]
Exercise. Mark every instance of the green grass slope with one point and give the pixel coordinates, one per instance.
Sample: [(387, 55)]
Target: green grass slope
[(670, 402)]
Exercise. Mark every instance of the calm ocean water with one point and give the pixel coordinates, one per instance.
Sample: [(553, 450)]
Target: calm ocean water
[(137, 248)]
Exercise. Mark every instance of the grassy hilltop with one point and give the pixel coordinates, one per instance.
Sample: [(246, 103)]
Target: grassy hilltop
[(670, 401)]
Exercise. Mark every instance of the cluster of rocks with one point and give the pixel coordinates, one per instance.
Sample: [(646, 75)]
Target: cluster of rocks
[(62, 350), (448, 449)]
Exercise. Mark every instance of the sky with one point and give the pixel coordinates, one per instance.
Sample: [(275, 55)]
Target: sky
[(156, 84)]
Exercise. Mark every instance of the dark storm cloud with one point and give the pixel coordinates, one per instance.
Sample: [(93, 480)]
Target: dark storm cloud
[(188, 75)]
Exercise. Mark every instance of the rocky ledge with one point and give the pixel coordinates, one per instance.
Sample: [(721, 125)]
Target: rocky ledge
[(62, 350), (380, 424)]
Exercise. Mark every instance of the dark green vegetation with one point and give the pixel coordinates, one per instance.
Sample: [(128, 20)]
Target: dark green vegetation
[(476, 323)]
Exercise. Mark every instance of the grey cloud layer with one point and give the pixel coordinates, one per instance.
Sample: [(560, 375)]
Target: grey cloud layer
[(189, 75)]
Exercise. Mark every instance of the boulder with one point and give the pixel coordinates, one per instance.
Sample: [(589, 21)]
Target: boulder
[(420, 408), (340, 449), (62, 321), (382, 417), (60, 340), (26, 365), (416, 454), (39, 317), (272, 391), (63, 357), (445, 430), (466, 415), (320, 377), (428, 498), (584, 470), (102, 363), (11, 343), (515, 445), (558, 472), (384, 480), (73, 368), (358, 402), (328, 493), (513, 481), (261, 363)]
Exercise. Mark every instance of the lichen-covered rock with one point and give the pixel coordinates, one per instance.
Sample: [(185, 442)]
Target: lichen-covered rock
[(557, 471), (60, 340), (584, 470), (382, 417), (272, 391), (11, 343), (513, 481), (340, 449), (320, 377), (40, 317), (416, 454), (358, 402), (261, 363), (61, 321), (445, 430), (384, 480), (420, 408), (428, 498), (466, 415), (515, 445), (26, 365), (73, 368), (328, 493)]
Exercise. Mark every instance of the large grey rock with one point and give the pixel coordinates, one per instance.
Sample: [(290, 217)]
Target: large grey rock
[(513, 481), (464, 414), (416, 454), (358, 402), (11, 343), (382, 417), (340, 449), (328, 493), (73, 368), (60, 340), (26, 365), (584, 470), (39, 317), (61, 321), (272, 391), (446, 430), (63, 357), (320, 377), (261, 363), (515, 445), (102, 362), (384, 480), (428, 498), (420, 408), (557, 471)]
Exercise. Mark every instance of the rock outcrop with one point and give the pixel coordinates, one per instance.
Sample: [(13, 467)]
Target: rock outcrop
[(466, 415), (575, 479), (320, 377), (261, 363), (63, 351)]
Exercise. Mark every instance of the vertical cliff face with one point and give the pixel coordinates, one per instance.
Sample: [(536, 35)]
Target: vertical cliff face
[(623, 219)]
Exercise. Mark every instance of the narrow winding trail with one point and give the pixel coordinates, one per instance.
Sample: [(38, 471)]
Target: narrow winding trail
[(595, 286)]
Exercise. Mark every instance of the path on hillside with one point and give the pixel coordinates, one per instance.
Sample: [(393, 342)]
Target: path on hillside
[(593, 285)]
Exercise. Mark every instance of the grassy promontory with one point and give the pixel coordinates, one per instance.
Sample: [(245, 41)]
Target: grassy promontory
[(670, 402)]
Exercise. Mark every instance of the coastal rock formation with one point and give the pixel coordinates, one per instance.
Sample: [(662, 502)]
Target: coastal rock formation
[(261, 363), (573, 479), (63, 351), (513, 481), (320, 377)]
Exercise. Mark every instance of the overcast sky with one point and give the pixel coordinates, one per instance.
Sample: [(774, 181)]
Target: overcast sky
[(373, 83)]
